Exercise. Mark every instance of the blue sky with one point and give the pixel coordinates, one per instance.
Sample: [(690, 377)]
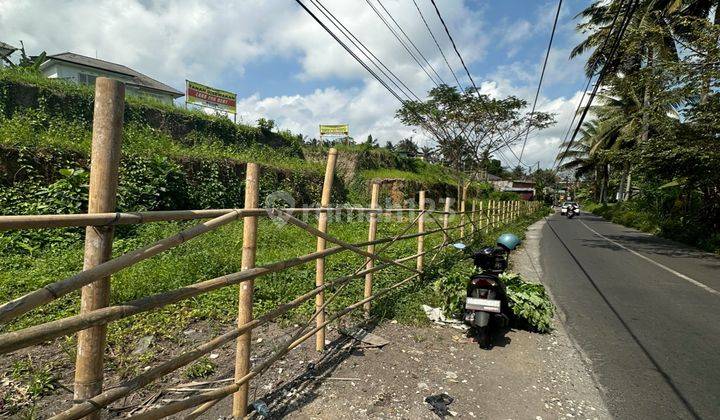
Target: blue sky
[(284, 66)]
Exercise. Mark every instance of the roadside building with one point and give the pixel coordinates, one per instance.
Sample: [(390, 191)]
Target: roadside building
[(525, 188), (84, 70), (6, 51)]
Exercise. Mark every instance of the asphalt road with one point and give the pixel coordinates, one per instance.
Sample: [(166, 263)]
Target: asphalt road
[(645, 311)]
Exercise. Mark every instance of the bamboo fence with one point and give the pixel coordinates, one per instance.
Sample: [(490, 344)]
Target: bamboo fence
[(95, 278)]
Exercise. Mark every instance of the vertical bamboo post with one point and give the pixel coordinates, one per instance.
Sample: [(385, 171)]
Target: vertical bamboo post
[(446, 219), (462, 211), (472, 217), (320, 262), (490, 216), (482, 213), (245, 293), (495, 213), (372, 231), (421, 229), (104, 163)]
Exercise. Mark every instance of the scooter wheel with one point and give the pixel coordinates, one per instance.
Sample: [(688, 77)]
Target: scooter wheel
[(483, 337)]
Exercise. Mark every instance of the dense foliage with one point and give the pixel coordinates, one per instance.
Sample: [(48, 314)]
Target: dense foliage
[(529, 303), (653, 135)]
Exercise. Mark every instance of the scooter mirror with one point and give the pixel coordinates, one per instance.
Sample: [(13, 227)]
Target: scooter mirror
[(459, 245)]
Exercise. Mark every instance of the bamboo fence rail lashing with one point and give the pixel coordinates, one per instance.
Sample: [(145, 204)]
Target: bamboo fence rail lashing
[(96, 277)]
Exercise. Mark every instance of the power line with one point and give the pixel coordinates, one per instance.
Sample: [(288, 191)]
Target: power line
[(411, 42), (362, 63), (438, 45), (355, 41), (606, 65), (405, 46), (542, 74), (349, 51), (447, 31)]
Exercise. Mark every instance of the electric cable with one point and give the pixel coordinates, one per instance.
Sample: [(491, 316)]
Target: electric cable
[(411, 42), (587, 85), (437, 44), (364, 50), (407, 49), (447, 31), (542, 74)]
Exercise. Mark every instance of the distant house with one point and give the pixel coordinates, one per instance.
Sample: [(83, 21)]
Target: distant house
[(525, 188), (84, 70), (5, 51)]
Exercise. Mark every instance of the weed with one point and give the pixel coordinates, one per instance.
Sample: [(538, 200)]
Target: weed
[(202, 368)]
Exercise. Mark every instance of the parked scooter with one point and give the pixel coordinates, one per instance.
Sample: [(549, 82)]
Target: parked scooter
[(486, 305), (572, 211)]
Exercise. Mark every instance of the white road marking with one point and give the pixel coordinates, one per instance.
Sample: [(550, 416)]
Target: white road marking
[(650, 260)]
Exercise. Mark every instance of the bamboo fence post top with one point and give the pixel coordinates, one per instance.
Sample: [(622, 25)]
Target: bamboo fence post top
[(372, 232), (245, 295), (320, 263), (104, 163), (421, 229)]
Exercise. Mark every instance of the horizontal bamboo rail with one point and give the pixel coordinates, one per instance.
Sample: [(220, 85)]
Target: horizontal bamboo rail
[(36, 334), (194, 401), (60, 288), (173, 364), (46, 221)]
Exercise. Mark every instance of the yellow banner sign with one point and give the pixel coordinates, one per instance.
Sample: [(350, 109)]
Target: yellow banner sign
[(335, 130), (198, 94)]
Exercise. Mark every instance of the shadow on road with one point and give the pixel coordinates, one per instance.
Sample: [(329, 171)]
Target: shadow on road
[(666, 377)]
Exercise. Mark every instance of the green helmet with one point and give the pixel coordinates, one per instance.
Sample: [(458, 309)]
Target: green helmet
[(508, 241)]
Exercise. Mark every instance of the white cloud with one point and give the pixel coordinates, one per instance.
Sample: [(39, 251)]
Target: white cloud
[(215, 41)]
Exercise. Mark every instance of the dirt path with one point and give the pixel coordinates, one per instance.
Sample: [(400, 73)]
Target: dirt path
[(525, 376)]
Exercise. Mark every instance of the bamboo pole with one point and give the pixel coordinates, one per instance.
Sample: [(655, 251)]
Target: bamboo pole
[(472, 217), (372, 232), (36, 334), (145, 378), (491, 214), (60, 288), (482, 216), (320, 234), (49, 292), (245, 293), (421, 229), (446, 219), (196, 400), (104, 167), (320, 263), (462, 209), (49, 221)]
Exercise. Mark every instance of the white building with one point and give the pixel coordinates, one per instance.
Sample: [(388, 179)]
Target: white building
[(84, 70)]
